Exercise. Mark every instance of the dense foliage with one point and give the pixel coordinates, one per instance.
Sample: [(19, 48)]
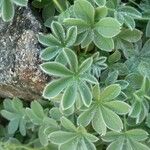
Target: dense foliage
[(98, 53)]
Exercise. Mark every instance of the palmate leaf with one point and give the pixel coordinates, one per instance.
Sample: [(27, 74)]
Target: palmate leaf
[(103, 111), (139, 99), (89, 30), (125, 39), (125, 14), (15, 113), (130, 139), (73, 80), (75, 138), (58, 41), (40, 119), (99, 64), (142, 54)]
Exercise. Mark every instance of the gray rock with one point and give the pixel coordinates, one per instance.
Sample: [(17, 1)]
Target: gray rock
[(20, 75)]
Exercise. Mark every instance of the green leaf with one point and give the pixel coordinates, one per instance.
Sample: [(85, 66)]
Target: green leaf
[(49, 53), (114, 57), (137, 134), (91, 137), (129, 21), (13, 126), (88, 145), (111, 136), (21, 2), (100, 2), (98, 122), (111, 120), (139, 146), (7, 10), (143, 69), (85, 94), (148, 29), (101, 12), (72, 59), (58, 31), (71, 36), (81, 24), (131, 11), (33, 117), (110, 92), (60, 137), (55, 87), (8, 105), (89, 78), (130, 35), (85, 65), (42, 136), (22, 126), (108, 27), (55, 113), (118, 106), (96, 92), (117, 145), (85, 118), (105, 44), (17, 104), (8, 115), (69, 96), (135, 110), (37, 109), (48, 40), (84, 10), (56, 69), (67, 124), (88, 39), (70, 145)]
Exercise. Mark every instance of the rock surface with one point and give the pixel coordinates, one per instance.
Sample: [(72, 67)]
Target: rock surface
[(20, 75)]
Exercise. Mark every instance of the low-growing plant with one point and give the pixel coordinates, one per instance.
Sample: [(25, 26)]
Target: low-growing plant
[(98, 55)]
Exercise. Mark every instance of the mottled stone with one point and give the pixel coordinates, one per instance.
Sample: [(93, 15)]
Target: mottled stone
[(20, 74)]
